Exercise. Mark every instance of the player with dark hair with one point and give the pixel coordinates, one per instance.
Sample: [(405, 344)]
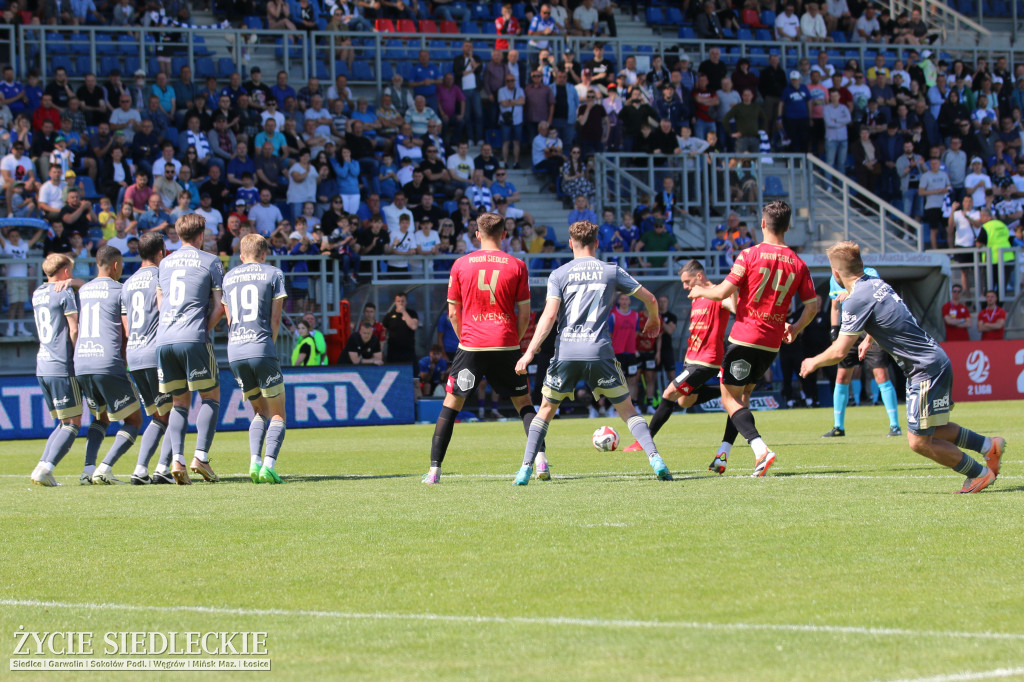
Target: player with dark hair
[(190, 305), (704, 351), (873, 307), (100, 362), (55, 309), (489, 308), (580, 297), (766, 277), (254, 294), (140, 305)]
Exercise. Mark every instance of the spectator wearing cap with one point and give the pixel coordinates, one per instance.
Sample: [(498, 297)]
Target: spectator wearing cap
[(977, 184), (795, 112)]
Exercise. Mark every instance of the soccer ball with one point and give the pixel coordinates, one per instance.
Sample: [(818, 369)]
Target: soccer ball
[(606, 439)]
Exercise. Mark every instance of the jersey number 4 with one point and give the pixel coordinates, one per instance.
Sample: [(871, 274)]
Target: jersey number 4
[(777, 285), (490, 287)]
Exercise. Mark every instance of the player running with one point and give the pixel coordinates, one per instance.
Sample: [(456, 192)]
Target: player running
[(489, 308), (580, 297), (55, 309), (140, 306), (874, 359), (99, 359), (190, 305), (253, 298), (703, 361), (767, 277), (873, 307)]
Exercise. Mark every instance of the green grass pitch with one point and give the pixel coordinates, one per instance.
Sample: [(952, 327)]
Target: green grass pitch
[(852, 561)]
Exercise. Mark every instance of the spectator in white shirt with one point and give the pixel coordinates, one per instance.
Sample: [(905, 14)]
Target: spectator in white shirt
[(787, 25), (812, 25), (867, 29)]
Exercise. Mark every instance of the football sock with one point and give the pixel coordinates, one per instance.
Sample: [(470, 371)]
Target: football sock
[(875, 390), (527, 414), (743, 419), (759, 447), (638, 427), (49, 443), (257, 432), (725, 448), (729, 437), (969, 466), (177, 422), (443, 435), (538, 430), (93, 440), (840, 399), (150, 440), (62, 443), (140, 471), (855, 388), (123, 441), (706, 393), (973, 441), (206, 426), (888, 394), (661, 415), (164, 464), (275, 438)]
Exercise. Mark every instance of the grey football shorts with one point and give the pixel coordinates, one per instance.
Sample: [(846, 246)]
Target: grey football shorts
[(258, 376), (62, 395), (186, 366), (604, 377), (929, 401), (153, 400), (111, 393)]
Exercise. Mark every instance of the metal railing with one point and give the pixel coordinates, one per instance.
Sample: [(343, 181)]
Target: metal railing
[(893, 229), (375, 56), (983, 272), (949, 23)]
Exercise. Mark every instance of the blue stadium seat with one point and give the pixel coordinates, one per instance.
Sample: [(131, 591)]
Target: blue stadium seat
[(519, 12), (152, 67), (108, 64), (763, 34), (450, 206), (131, 65), (321, 71), (493, 137), (673, 16), (481, 12), (204, 67), (226, 66), (254, 22), (387, 71), (645, 49), (405, 68), (768, 17), (88, 188), (177, 63), (744, 34), (654, 16), (686, 33), (341, 69), (361, 71), (127, 45), (199, 48), (79, 43), (472, 27), (773, 187), (62, 61)]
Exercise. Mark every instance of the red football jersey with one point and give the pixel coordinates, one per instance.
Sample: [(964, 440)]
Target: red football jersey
[(960, 312), (644, 343), (768, 277), (706, 345), (489, 284), (992, 315)]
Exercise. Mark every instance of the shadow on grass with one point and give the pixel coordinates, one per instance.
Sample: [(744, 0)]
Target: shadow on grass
[(317, 478), (816, 472)]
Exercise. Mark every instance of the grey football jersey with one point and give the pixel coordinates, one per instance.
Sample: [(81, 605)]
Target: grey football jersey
[(249, 293), (100, 333), (56, 352), (587, 288), (187, 278), (875, 308), (138, 303)]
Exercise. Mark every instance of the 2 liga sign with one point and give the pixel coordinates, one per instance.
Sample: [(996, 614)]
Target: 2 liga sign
[(987, 370)]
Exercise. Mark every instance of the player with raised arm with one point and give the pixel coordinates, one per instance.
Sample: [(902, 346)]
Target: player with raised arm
[(873, 307), (140, 305), (580, 297), (99, 359), (489, 308), (874, 359), (190, 306), (253, 298), (55, 309), (766, 277), (704, 351)]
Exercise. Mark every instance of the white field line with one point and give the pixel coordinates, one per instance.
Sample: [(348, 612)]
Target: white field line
[(525, 620), (701, 473), (963, 677)]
